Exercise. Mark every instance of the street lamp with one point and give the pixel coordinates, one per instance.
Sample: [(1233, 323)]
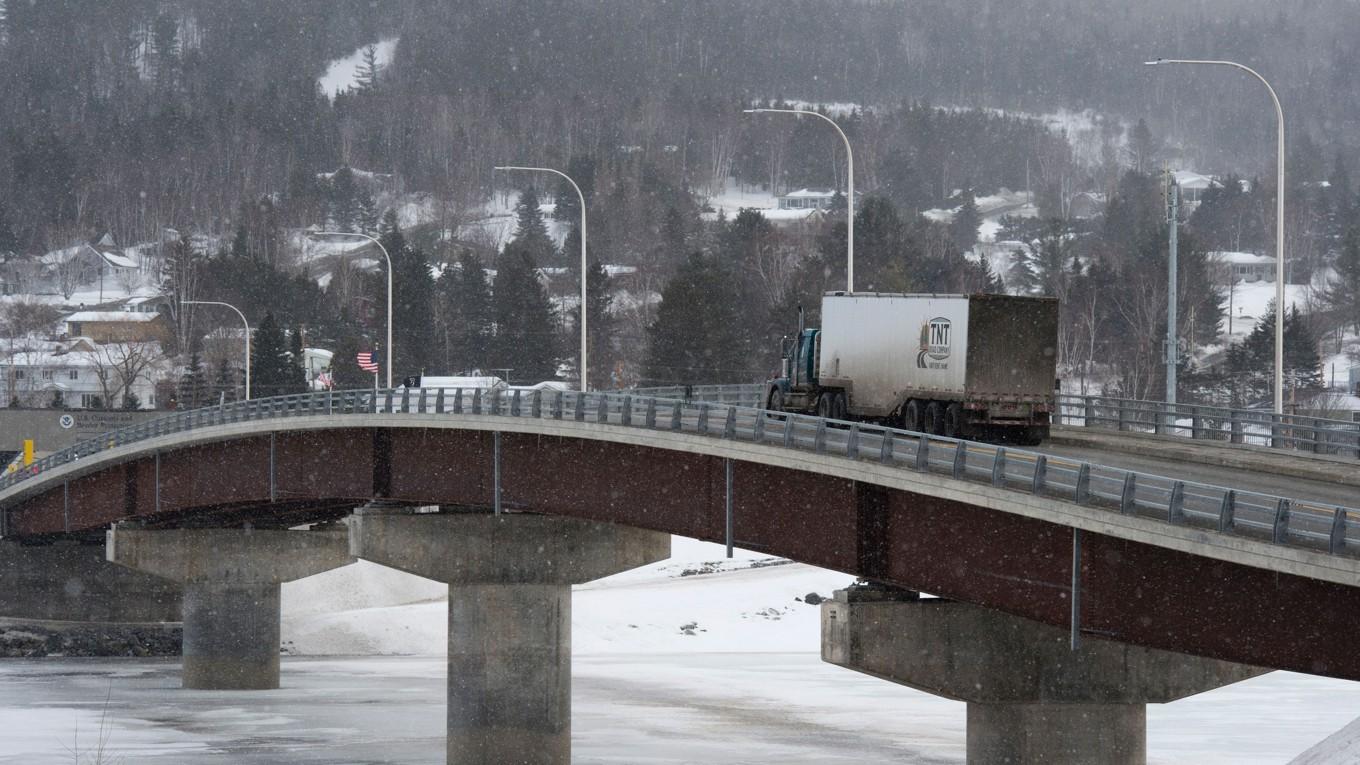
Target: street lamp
[(1279, 215), (584, 265), (243, 321), (389, 289), (849, 185)]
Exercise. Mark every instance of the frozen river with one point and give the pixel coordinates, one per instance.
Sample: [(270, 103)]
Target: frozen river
[(641, 708)]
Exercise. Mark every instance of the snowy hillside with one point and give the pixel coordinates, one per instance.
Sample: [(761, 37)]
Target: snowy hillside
[(340, 73)]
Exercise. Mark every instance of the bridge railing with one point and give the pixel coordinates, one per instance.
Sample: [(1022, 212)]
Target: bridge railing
[(1316, 435), (1272, 518)]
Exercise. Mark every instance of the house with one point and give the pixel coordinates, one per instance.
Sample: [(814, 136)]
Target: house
[(1192, 186), (1243, 267), (1086, 205), (81, 375), (807, 199), (119, 326), (99, 263)]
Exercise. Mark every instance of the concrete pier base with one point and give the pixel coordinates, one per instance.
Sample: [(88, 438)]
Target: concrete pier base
[(231, 581), (1031, 699), (73, 582), (510, 580)]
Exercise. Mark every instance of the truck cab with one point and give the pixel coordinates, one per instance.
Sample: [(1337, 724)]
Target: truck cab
[(796, 388)]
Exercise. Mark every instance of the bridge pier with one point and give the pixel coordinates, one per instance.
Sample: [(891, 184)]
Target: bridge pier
[(74, 582), (231, 581), (1031, 698), (509, 577)]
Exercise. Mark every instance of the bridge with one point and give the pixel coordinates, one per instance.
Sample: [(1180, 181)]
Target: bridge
[(1109, 587)]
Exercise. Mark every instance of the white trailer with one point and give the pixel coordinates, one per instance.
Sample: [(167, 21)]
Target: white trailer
[(958, 365)]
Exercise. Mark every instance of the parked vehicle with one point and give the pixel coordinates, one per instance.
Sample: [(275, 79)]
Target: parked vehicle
[(964, 366)]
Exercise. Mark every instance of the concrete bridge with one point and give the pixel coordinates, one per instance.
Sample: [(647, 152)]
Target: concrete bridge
[(1074, 593)]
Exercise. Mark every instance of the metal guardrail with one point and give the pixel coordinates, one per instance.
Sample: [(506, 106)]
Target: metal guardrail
[(1315, 435), (1280, 520)]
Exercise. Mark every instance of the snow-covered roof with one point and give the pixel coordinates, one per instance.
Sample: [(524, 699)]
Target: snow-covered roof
[(483, 381), (1244, 258), (811, 194), (117, 317), (1187, 179), (109, 254), (620, 270)]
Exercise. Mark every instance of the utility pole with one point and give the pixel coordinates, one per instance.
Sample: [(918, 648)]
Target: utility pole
[(1172, 352)]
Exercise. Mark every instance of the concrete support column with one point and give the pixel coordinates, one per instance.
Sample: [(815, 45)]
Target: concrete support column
[(510, 580), (1031, 699), (231, 581)]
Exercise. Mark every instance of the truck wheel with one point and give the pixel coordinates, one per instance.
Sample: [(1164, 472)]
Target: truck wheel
[(824, 405), (911, 416), (934, 419), (953, 420), (775, 402), (839, 407), (1033, 436)]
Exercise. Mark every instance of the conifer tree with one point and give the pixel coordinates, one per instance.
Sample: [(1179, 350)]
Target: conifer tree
[(193, 389), (698, 335), (297, 367), (270, 366), (1253, 361), (531, 234), (366, 74), (601, 329), (465, 312), (345, 371), (224, 383), (1343, 291), (526, 329), (964, 228)]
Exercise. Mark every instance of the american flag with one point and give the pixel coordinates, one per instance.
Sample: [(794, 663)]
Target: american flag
[(367, 362)]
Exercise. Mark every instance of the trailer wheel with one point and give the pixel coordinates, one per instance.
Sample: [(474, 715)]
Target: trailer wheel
[(934, 419), (775, 402), (953, 420), (911, 416), (839, 407)]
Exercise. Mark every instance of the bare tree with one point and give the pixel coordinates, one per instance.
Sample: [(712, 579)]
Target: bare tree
[(119, 365)]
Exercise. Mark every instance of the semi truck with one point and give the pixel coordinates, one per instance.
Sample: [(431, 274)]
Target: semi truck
[(963, 366)]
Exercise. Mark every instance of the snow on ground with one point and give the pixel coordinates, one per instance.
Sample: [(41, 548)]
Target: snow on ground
[(735, 196), (695, 601), (340, 72), (1250, 301)]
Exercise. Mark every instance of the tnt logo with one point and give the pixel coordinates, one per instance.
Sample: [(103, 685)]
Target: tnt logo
[(935, 338)]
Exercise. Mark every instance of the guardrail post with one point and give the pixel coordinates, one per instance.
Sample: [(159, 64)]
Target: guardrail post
[(758, 431), (557, 405), (1088, 417), (389, 401), (1276, 434), (1123, 417), (515, 404), (885, 450), (476, 400), (405, 400), (458, 401), (536, 405), (819, 441), (439, 401), (1175, 506), (852, 443), (626, 411), (1082, 493), (1040, 475), (702, 427), (1318, 441), (1236, 426), (580, 411), (1281, 531), (651, 413), (1227, 510), (675, 414), (730, 426), (1128, 497), (788, 430), (999, 468), (420, 400), (1337, 539), (960, 459), (1161, 421), (602, 411), (923, 453), (1196, 423)]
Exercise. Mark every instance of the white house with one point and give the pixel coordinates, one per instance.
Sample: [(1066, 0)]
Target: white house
[(85, 375), (807, 199), (1192, 186), (99, 264), (1244, 266)]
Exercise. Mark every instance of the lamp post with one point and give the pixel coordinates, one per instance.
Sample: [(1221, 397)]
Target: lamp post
[(584, 264), (389, 289), (243, 321), (1279, 214), (849, 185)]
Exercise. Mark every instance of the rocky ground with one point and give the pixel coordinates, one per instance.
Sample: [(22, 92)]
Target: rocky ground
[(39, 639)]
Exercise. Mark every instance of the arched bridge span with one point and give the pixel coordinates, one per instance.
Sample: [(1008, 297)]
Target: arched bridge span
[(1157, 566)]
